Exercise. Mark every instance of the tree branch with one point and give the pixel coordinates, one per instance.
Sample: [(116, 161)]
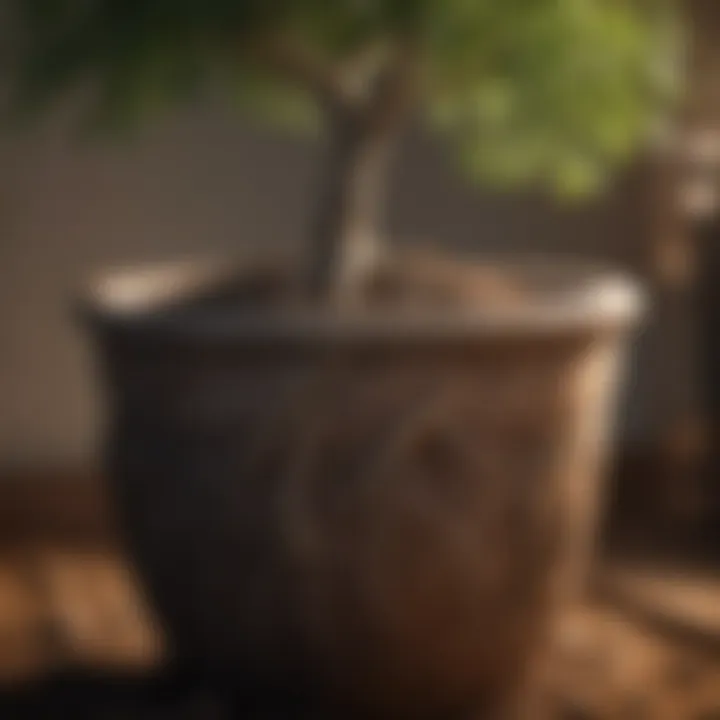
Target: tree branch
[(395, 88), (375, 91), (299, 64)]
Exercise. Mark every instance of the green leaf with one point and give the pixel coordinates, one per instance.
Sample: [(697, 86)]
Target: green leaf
[(530, 91)]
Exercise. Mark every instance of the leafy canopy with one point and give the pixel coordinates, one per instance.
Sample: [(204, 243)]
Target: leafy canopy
[(553, 91)]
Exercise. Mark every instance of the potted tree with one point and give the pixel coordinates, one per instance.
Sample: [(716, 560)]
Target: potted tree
[(365, 474)]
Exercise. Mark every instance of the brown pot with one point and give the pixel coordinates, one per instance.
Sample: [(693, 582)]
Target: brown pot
[(386, 507)]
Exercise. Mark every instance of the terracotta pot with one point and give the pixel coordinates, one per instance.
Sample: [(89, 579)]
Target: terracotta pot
[(387, 507)]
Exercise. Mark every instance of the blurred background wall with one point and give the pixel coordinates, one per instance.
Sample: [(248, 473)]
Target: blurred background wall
[(202, 181)]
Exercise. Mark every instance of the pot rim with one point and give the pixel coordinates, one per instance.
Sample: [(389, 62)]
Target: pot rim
[(570, 296)]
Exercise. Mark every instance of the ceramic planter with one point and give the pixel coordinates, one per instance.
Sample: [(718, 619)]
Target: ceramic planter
[(384, 507)]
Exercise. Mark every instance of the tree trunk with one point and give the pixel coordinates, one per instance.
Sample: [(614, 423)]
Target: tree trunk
[(345, 234)]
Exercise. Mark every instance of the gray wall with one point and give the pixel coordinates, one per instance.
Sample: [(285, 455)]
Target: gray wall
[(203, 181)]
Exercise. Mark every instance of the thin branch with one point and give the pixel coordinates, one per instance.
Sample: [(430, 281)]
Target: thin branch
[(373, 90), (395, 88), (299, 64)]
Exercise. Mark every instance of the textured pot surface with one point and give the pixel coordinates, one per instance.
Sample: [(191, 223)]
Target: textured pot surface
[(389, 507)]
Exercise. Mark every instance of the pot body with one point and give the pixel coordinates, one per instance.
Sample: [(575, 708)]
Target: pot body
[(391, 521)]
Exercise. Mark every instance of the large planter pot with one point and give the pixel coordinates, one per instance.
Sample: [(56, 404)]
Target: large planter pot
[(384, 507)]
